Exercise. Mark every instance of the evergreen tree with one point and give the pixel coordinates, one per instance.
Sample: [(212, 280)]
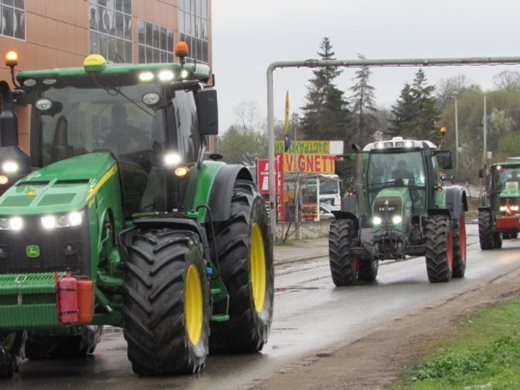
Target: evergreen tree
[(325, 115), (364, 109), (416, 114)]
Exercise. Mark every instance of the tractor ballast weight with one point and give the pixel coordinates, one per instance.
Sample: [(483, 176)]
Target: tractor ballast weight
[(120, 205), (402, 209), (498, 214)]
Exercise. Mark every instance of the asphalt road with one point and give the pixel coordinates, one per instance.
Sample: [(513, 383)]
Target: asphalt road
[(311, 317)]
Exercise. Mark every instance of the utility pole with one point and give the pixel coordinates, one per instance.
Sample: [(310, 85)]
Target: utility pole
[(456, 138), (484, 120)]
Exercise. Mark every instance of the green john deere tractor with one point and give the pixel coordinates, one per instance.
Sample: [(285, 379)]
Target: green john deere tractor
[(498, 215), (121, 217), (397, 206)]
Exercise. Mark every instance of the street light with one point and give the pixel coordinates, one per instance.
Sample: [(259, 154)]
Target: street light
[(456, 135)]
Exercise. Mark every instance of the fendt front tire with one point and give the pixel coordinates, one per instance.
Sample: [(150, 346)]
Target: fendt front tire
[(439, 248), (166, 305), (344, 267), (245, 256), (368, 270), (459, 247), (485, 230)]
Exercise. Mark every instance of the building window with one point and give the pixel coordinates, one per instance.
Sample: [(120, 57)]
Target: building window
[(155, 43), (111, 29), (12, 18), (193, 28)]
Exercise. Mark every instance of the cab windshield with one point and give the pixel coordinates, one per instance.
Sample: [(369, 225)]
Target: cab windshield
[(397, 170), (84, 115)]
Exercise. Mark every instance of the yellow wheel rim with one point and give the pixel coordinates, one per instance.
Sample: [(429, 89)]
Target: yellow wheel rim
[(258, 267), (193, 304)]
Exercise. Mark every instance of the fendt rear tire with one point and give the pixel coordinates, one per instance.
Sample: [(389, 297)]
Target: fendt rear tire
[(245, 255), (439, 248), (44, 346), (344, 267), (166, 304), (485, 230), (459, 247)]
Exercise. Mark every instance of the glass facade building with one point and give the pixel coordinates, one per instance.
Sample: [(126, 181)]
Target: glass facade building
[(61, 33)]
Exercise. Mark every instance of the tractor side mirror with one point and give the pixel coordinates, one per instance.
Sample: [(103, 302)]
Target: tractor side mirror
[(207, 111), (444, 158)]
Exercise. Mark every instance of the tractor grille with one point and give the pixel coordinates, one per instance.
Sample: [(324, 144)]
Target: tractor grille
[(387, 207), (34, 249)]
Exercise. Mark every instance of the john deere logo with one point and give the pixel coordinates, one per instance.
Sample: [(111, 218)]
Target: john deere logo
[(32, 251)]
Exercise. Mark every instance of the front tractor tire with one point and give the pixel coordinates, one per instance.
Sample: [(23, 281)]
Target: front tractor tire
[(166, 305), (485, 230), (439, 248), (245, 257), (344, 267), (459, 247)]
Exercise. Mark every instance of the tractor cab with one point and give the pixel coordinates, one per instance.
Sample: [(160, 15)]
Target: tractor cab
[(145, 116), (400, 175)]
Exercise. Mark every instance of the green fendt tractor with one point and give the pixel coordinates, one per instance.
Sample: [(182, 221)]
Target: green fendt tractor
[(397, 206), (123, 218), (498, 215)]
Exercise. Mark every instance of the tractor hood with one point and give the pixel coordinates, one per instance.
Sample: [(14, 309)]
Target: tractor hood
[(66, 185)]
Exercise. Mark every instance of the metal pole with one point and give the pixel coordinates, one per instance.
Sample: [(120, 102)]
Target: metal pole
[(312, 63), (456, 138), (484, 119), (270, 152)]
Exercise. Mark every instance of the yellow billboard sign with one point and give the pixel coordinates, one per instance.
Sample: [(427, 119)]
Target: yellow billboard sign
[(316, 147), (309, 163)]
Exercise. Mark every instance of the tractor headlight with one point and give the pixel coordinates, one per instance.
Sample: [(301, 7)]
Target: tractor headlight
[(10, 167), (377, 221), (503, 208), (396, 219), (72, 219), (514, 208), (172, 159), (11, 223)]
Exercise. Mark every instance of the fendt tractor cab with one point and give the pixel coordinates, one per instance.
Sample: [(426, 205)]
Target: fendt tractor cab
[(126, 220), (398, 206), (498, 215)]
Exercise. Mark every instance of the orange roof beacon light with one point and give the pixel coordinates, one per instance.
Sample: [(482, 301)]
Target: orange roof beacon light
[(181, 50), (11, 58), (443, 130)]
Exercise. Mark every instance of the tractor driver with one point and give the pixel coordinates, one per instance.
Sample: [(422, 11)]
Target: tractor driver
[(123, 137), (402, 173)]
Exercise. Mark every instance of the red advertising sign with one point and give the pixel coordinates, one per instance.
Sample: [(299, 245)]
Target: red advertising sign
[(262, 169)]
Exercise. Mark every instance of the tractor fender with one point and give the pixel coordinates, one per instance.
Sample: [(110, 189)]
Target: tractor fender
[(340, 214), (125, 237), (222, 190), (432, 212), (456, 201)]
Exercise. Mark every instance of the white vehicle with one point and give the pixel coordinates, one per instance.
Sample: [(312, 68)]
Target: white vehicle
[(329, 191)]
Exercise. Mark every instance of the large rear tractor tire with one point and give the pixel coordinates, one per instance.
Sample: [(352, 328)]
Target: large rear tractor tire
[(45, 346), (485, 230), (166, 305), (11, 347), (439, 248), (344, 267), (459, 247), (245, 256)]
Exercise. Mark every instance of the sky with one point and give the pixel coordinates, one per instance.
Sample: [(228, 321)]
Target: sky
[(248, 35)]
